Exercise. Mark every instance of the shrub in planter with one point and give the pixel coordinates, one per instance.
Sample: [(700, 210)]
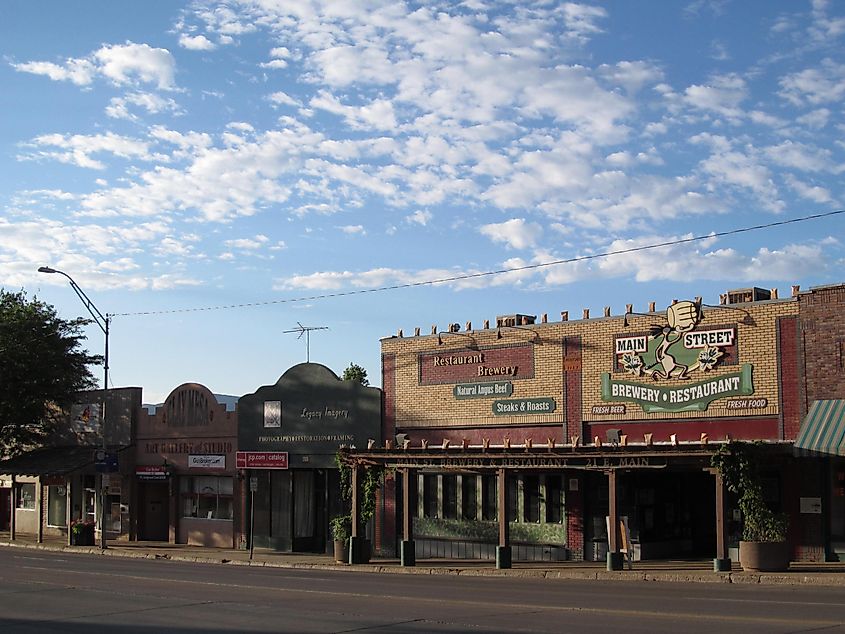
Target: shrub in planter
[(341, 527), (763, 545), (81, 533)]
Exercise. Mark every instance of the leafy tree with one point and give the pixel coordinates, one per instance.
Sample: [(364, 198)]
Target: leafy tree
[(356, 373), (42, 367)]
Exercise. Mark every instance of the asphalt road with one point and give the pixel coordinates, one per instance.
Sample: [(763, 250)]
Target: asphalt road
[(64, 592)]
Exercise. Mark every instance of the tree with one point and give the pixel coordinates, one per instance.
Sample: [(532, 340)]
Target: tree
[(42, 367), (356, 373)]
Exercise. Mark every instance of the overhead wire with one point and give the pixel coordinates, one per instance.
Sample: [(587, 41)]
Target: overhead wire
[(469, 276)]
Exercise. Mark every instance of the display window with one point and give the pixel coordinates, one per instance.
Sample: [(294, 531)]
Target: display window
[(207, 497)]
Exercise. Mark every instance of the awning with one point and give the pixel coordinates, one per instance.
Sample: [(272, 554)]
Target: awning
[(823, 431), (52, 461)]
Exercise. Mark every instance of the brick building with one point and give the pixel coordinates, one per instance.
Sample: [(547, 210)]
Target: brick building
[(596, 434)]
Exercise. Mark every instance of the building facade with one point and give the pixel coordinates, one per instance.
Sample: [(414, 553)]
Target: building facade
[(185, 479), (565, 439)]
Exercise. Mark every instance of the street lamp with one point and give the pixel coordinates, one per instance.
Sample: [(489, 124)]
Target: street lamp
[(103, 322)]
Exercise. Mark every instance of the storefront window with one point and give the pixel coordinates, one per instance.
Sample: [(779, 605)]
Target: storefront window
[(207, 497), (488, 497), (430, 495), (554, 499), (450, 496), (56, 505), (26, 496), (469, 497), (531, 494)]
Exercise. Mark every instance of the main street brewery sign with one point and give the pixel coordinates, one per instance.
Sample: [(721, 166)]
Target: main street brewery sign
[(670, 355)]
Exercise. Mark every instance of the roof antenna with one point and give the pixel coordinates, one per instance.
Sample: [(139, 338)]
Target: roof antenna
[(306, 330)]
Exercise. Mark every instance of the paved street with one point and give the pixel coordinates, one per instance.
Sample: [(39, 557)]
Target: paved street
[(44, 591)]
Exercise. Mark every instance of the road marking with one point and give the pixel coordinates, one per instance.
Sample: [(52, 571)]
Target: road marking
[(511, 607)]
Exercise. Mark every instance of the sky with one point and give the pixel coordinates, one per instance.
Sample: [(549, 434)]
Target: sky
[(213, 174)]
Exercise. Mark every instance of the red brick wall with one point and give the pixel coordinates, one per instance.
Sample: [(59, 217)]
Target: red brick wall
[(791, 392), (823, 330)]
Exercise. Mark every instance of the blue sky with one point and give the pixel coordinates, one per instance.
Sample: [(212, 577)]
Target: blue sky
[(200, 168)]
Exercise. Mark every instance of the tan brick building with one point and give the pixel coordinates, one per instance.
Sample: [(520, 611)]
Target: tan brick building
[(567, 416)]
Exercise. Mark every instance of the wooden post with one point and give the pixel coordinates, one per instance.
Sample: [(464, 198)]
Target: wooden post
[(408, 547), (722, 562), (39, 511), (357, 545), (503, 550), (68, 507), (614, 557), (14, 499)]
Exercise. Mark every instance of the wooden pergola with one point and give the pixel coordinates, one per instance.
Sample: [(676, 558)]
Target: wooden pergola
[(609, 459)]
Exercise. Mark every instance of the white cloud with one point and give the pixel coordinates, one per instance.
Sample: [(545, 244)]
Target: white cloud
[(282, 98), (119, 107), (128, 63), (723, 95), (196, 42), (78, 71), (353, 229), (248, 244), (420, 217), (78, 149), (516, 233), (815, 86)]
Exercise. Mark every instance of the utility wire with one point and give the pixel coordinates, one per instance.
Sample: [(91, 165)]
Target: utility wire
[(469, 276)]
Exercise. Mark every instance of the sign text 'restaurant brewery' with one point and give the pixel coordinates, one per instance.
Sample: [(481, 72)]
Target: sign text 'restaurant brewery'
[(464, 365)]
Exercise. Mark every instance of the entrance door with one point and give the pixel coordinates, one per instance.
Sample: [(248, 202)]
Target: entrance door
[(5, 508), (309, 511), (155, 518)]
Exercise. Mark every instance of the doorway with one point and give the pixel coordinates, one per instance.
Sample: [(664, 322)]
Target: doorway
[(155, 512)]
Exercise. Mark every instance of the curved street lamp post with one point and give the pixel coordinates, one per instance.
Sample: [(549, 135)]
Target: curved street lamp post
[(103, 322)]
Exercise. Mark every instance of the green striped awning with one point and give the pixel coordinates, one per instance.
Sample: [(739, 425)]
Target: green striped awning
[(823, 431)]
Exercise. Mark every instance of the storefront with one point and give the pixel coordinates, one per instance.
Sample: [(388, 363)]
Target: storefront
[(288, 436), (80, 477), (593, 433), (185, 474)]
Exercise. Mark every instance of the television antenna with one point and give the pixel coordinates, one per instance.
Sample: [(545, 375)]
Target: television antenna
[(306, 330)]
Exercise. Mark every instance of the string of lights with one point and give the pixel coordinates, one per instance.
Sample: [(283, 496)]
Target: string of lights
[(469, 276)]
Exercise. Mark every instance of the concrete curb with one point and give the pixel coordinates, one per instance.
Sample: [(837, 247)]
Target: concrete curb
[(794, 578)]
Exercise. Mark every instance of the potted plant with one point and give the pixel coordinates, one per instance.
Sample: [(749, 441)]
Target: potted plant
[(81, 533), (341, 527), (763, 547)]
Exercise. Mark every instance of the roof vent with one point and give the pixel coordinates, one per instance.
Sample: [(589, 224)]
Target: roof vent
[(744, 295), (515, 320)]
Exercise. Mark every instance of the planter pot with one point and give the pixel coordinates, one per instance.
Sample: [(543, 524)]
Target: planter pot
[(764, 556), (82, 535), (341, 551)]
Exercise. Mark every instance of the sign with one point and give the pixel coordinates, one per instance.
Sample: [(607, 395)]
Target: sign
[(684, 398), (151, 472), (261, 459), (464, 391), (463, 365), (524, 406), (105, 461), (253, 484), (811, 505), (584, 463), (207, 462)]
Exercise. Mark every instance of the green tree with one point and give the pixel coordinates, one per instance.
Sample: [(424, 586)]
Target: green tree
[(356, 373), (42, 367)]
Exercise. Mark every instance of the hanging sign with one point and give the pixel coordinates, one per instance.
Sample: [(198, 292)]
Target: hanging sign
[(524, 406)]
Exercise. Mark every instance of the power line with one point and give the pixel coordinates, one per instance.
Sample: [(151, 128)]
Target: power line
[(469, 276)]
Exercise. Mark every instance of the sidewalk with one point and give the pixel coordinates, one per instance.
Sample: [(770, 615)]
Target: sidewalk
[(699, 571)]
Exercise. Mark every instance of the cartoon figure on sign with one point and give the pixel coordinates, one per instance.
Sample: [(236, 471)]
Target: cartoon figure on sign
[(682, 317)]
